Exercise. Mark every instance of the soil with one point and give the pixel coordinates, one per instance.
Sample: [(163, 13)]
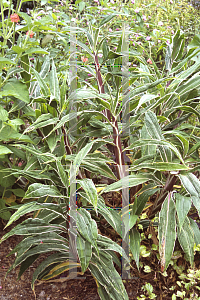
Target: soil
[(84, 288)]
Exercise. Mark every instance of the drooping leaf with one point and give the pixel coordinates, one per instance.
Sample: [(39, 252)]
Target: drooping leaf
[(160, 166), (167, 231), (37, 190), (186, 240), (33, 206), (54, 83), (89, 188), (192, 186), (87, 226), (183, 205), (135, 245), (4, 150), (84, 249), (61, 268), (33, 226), (196, 231), (133, 180), (49, 261), (3, 114), (111, 216)]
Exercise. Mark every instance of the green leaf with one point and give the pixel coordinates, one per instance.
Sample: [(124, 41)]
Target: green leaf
[(8, 133), (4, 150), (54, 83), (36, 124), (47, 38), (18, 192), (89, 187), (39, 249), (196, 231), (31, 227), (3, 114), (154, 130), (132, 180), (81, 6), (81, 155), (160, 166), (155, 142), (183, 205), (167, 231), (17, 89), (97, 167), (106, 275), (49, 261), (6, 178), (146, 192), (87, 226), (37, 190), (5, 215), (111, 216), (186, 240), (195, 43), (132, 220), (41, 82), (135, 245), (147, 149), (61, 268), (192, 186), (34, 206), (37, 50), (65, 119), (4, 60), (145, 98), (107, 244), (107, 19), (62, 174), (84, 249), (112, 55)]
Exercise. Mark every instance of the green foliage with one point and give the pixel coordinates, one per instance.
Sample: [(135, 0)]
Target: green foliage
[(57, 136)]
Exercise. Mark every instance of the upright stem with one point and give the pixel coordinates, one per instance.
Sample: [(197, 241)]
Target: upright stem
[(116, 136)]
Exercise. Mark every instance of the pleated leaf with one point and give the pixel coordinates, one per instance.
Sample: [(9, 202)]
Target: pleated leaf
[(155, 132), (61, 268), (192, 186), (87, 226), (107, 244), (44, 88), (111, 216), (41, 248), (50, 260), (147, 142), (183, 205), (167, 231), (84, 249), (196, 231), (98, 167), (33, 226), (62, 173), (37, 190), (54, 83), (33, 206), (186, 240), (106, 275), (160, 166), (133, 180), (135, 245), (89, 188), (28, 242)]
